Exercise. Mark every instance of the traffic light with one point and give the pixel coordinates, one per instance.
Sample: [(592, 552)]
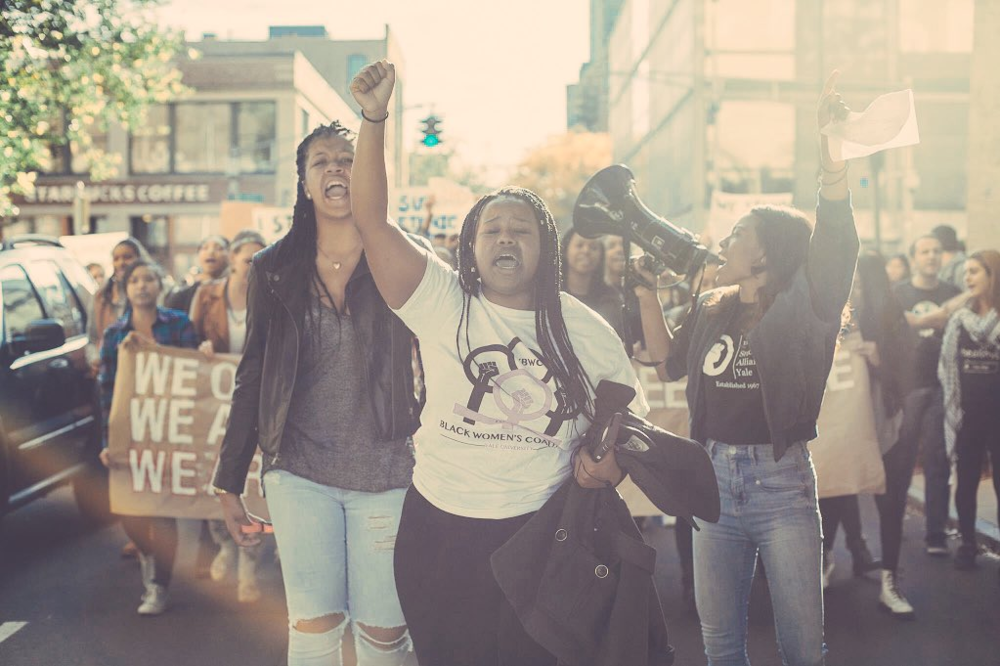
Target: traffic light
[(431, 130)]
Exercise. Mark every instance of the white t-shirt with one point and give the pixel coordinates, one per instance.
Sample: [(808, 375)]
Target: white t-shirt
[(492, 442)]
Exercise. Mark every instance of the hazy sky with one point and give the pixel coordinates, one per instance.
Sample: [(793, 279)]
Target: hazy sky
[(495, 71)]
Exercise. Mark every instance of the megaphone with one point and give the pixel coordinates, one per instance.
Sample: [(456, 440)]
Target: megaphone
[(608, 204)]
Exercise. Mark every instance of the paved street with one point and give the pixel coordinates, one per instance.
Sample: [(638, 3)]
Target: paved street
[(78, 598)]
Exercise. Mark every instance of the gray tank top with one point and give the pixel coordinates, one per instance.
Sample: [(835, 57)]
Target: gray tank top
[(330, 436)]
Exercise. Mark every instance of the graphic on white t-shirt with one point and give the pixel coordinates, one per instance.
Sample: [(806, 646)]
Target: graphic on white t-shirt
[(521, 389), (719, 356)]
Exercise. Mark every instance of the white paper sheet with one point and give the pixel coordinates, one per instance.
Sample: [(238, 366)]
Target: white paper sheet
[(888, 122)]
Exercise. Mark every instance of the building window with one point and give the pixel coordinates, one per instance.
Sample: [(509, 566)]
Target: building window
[(255, 126), (203, 138), (355, 63), (229, 138), (150, 150), (304, 128)]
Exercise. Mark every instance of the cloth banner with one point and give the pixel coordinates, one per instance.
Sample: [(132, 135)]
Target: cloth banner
[(846, 453), (168, 418)]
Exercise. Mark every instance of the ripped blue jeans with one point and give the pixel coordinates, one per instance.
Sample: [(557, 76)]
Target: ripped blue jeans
[(337, 550)]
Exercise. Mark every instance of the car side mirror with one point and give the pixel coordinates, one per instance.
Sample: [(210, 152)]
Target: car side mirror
[(43, 335)]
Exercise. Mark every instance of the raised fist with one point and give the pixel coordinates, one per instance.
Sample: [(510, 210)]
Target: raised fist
[(372, 88)]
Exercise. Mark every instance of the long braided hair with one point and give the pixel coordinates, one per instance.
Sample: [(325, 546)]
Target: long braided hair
[(550, 327), (299, 249)]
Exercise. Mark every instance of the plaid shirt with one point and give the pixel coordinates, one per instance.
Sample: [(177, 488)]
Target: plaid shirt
[(172, 328)]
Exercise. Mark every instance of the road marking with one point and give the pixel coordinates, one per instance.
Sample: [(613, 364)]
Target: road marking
[(8, 629)]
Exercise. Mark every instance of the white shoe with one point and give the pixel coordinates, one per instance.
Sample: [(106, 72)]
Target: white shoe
[(155, 601), (828, 567), (223, 562), (891, 600), (247, 590)]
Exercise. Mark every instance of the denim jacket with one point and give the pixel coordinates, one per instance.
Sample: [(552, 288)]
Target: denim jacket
[(794, 341)]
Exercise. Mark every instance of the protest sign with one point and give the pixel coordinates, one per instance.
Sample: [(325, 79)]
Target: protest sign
[(168, 419), (846, 454), (888, 122)]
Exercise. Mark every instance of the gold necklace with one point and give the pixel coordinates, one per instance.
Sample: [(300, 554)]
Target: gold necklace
[(336, 264)]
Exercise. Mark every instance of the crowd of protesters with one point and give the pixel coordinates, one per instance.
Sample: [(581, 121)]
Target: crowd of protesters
[(327, 322)]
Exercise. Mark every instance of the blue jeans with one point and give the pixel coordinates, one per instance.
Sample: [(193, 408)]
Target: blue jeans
[(923, 422), (768, 508), (337, 551)]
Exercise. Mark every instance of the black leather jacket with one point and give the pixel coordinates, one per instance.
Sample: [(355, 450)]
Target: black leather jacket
[(266, 374)]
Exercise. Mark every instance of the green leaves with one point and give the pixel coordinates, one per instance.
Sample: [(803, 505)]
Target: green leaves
[(68, 70)]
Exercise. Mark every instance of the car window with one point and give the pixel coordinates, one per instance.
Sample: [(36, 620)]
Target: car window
[(20, 304), (57, 296)]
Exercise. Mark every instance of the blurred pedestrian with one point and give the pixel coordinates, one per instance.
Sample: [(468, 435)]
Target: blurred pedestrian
[(97, 272), (488, 456), (145, 323), (897, 269), (923, 409), (213, 259), (970, 373), (887, 348), (219, 315), (614, 262), (583, 278), (110, 302), (952, 256), (326, 388), (757, 354)]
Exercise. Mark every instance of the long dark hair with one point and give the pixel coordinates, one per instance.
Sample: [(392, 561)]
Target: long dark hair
[(881, 320), (107, 290), (153, 267), (597, 284), (299, 250), (550, 327), (783, 234)]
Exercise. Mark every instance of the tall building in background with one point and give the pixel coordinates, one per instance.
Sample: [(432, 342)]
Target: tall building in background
[(587, 100), (200, 163), (720, 95)]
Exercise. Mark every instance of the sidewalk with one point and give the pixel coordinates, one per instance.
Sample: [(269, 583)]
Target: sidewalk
[(986, 510)]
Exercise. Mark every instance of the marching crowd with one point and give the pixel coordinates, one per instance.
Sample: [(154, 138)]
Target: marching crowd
[(387, 505)]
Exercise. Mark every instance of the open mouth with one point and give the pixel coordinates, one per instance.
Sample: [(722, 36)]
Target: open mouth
[(507, 262), (335, 191)]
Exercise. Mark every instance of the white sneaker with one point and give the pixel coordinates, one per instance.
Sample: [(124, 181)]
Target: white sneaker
[(223, 562), (155, 601), (828, 567), (891, 600), (247, 590)]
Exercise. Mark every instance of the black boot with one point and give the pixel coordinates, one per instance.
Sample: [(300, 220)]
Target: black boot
[(863, 560)]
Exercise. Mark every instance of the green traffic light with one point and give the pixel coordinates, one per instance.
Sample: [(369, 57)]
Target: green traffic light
[(431, 140)]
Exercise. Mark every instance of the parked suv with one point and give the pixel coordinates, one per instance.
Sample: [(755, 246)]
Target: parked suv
[(50, 415)]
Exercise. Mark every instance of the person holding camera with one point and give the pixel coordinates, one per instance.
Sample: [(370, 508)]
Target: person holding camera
[(757, 354)]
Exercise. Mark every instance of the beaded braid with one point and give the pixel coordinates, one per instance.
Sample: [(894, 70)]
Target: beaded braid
[(550, 327)]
